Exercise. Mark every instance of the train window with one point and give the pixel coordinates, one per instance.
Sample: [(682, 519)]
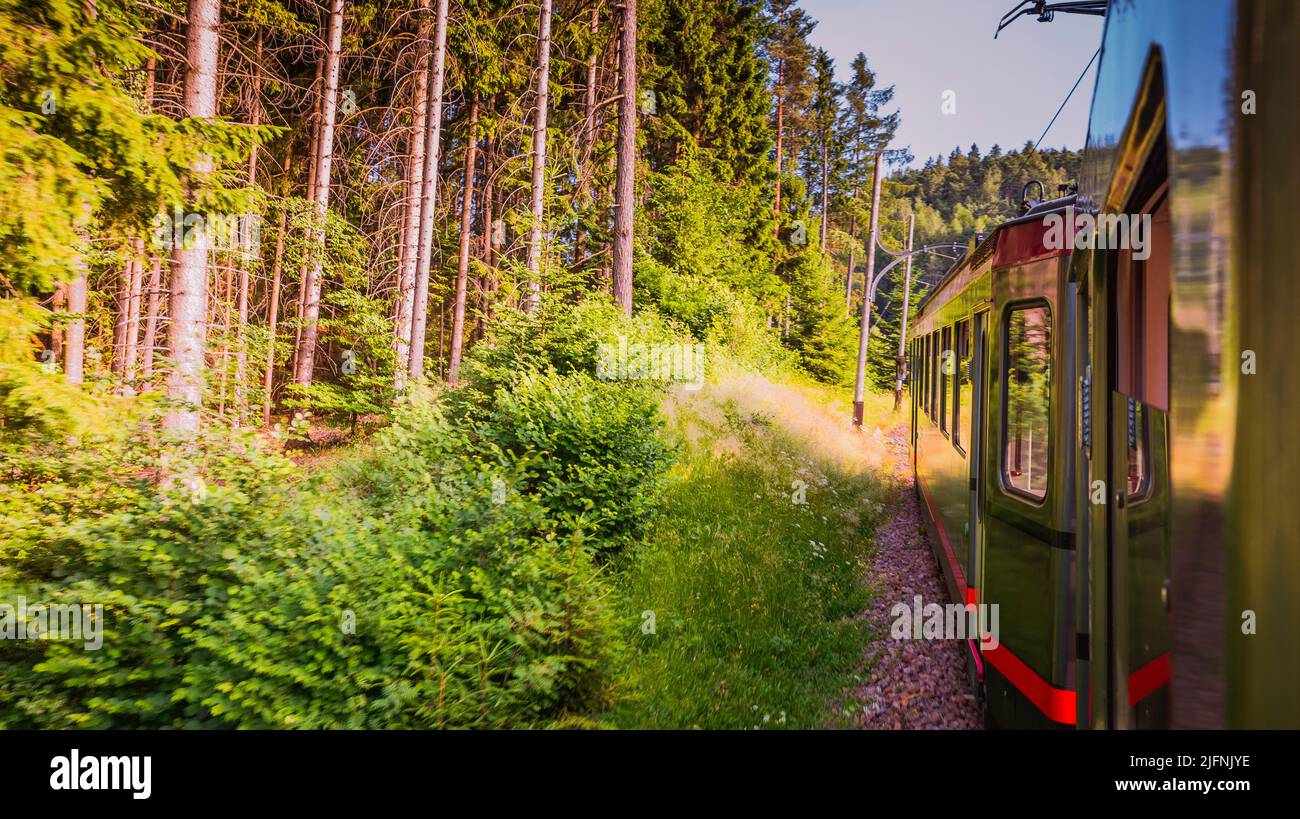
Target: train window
[(945, 376), (911, 370), (924, 385), (920, 373), (929, 375), (1026, 399), (961, 388)]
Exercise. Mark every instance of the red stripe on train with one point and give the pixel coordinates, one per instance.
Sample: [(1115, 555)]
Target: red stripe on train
[(1147, 679), (1056, 703)]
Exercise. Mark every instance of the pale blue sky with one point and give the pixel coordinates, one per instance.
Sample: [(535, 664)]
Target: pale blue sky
[(1006, 89)]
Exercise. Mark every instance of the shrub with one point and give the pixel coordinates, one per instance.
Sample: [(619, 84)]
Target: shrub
[(590, 450), (452, 575), (262, 601)]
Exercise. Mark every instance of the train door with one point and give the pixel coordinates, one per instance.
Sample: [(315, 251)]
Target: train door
[(978, 363), (1138, 473), (1129, 473)]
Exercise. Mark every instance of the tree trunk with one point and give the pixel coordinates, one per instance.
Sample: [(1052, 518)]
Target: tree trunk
[(133, 311), (223, 304), (625, 175), (123, 305), (533, 294), (825, 194), (853, 234), (462, 268), (74, 346), (588, 141), (853, 261), (273, 312), (150, 342), (428, 194), (314, 123), (864, 330), (414, 185), (316, 270), (246, 256), (488, 288), (189, 290), (907, 299), (58, 303)]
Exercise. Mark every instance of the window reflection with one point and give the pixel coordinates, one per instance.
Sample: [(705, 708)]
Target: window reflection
[(961, 406), (1028, 392)]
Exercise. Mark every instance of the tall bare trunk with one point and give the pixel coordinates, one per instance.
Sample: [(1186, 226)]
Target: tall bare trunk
[(488, 285), (587, 142), (533, 294), (133, 311), (74, 346), (224, 298), (150, 341), (59, 302), (853, 261), (864, 330), (316, 269), (136, 301), (853, 235), (247, 258), (625, 174), (189, 290), (462, 268), (414, 180), (826, 218), (123, 305), (273, 312), (315, 124), (907, 299), (428, 193)]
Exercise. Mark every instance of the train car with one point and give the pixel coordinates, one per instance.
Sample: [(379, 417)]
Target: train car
[(1101, 426)]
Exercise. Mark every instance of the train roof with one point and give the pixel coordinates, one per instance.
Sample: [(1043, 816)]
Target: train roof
[(984, 248)]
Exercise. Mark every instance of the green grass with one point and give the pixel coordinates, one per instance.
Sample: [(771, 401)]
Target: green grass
[(755, 597)]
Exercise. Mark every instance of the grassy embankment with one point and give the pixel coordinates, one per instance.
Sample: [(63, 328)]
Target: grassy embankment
[(755, 596)]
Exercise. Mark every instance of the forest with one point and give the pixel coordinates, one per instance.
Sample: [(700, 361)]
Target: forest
[(349, 355)]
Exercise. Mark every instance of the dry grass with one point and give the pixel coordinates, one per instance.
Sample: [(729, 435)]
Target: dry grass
[(757, 598)]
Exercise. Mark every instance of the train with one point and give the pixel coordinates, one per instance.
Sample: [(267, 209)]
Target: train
[(1104, 431)]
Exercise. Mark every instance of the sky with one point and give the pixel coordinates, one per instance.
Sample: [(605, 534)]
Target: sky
[(1005, 91)]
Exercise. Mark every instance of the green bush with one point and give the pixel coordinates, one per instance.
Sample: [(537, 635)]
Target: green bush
[(459, 608), (258, 601), (159, 560), (590, 450), (451, 576)]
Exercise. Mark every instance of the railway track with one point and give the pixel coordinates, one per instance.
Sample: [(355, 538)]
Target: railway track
[(918, 684)]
